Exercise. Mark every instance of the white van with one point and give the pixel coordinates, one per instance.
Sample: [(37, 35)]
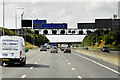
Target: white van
[(12, 50)]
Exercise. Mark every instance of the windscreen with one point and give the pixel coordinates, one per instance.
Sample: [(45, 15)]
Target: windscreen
[(54, 48)]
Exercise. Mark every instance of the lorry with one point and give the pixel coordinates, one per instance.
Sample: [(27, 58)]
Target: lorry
[(12, 50), (54, 44)]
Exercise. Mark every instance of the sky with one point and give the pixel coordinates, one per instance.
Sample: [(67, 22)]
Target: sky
[(58, 11)]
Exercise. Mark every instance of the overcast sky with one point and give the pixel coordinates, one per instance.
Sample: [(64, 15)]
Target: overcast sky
[(59, 11)]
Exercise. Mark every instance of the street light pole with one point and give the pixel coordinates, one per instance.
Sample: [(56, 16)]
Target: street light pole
[(114, 17), (3, 17), (15, 21), (21, 23)]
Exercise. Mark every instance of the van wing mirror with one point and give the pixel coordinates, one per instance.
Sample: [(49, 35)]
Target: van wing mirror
[(26, 50)]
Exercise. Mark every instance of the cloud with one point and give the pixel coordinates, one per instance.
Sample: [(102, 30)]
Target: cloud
[(61, 12), (34, 1), (92, 5), (67, 18)]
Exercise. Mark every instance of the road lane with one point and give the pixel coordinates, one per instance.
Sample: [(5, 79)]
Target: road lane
[(18, 71), (97, 60), (88, 69), (52, 66), (42, 64)]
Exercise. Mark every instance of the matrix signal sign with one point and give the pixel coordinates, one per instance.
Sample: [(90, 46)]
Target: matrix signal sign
[(116, 23), (104, 23), (37, 23), (86, 25), (26, 23)]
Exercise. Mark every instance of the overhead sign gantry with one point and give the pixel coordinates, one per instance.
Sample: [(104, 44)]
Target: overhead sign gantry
[(42, 27)]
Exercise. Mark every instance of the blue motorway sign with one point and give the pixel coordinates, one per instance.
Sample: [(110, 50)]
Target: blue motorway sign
[(54, 26), (37, 23)]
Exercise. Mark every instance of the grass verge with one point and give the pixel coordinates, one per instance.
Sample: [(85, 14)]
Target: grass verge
[(30, 46)]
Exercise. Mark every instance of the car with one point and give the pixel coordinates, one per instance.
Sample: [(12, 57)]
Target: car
[(48, 46), (43, 48), (105, 49), (82, 47), (12, 50), (53, 49), (67, 49), (74, 47), (62, 48), (86, 48)]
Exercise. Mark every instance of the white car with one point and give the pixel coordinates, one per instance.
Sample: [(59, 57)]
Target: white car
[(12, 50)]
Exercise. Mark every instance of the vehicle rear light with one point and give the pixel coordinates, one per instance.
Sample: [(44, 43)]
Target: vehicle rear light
[(10, 36), (20, 54)]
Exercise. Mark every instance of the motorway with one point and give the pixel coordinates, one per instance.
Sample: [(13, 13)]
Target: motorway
[(43, 64)]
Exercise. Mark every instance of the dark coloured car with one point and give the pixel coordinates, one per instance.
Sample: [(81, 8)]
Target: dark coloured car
[(67, 50), (43, 48), (105, 49), (62, 48), (86, 48), (53, 49)]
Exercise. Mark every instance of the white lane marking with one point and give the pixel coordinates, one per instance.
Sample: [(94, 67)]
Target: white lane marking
[(73, 68), (66, 60), (100, 64), (63, 57), (92, 76), (23, 76), (39, 59), (31, 68), (35, 62), (69, 63), (79, 77)]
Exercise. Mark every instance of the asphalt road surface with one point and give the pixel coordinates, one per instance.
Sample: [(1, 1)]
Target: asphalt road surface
[(43, 64)]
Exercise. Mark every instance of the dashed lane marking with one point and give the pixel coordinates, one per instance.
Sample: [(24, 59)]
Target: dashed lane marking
[(73, 69), (35, 62), (79, 77), (69, 63), (23, 76), (31, 68)]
